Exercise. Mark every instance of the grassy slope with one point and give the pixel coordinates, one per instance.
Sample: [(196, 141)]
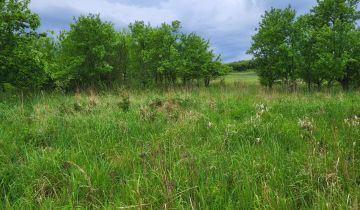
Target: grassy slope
[(210, 148)]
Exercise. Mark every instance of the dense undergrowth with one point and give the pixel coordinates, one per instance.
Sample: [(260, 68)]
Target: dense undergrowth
[(234, 146)]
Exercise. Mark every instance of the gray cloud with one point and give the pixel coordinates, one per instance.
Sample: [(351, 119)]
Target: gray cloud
[(229, 24), (57, 18)]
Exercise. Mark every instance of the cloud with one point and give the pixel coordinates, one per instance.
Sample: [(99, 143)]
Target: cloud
[(229, 24)]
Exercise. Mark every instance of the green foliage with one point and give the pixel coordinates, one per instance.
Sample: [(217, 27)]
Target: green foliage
[(319, 47), (22, 63), (85, 51), (93, 54), (140, 56), (120, 60), (244, 65), (195, 58), (7, 87), (273, 47), (162, 55), (333, 23), (154, 52), (125, 103)]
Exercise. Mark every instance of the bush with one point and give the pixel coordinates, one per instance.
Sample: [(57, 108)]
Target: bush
[(124, 104), (7, 87), (244, 65)]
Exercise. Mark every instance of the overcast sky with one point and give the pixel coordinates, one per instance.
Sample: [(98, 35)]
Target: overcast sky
[(229, 24)]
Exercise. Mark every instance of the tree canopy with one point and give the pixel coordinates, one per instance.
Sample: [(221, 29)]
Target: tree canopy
[(22, 63), (94, 54), (320, 47)]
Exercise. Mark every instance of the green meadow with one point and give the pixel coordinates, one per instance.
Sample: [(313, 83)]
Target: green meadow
[(234, 145)]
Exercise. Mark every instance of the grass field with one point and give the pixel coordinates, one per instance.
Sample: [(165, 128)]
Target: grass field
[(234, 145), (244, 77)]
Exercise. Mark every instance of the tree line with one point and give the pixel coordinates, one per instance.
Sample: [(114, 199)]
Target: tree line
[(319, 48), (92, 53), (243, 65)]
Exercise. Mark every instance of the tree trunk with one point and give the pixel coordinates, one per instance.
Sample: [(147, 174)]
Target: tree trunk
[(309, 86), (345, 84), (318, 85), (207, 82)]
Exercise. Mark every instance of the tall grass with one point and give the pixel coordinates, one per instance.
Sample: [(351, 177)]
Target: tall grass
[(233, 146)]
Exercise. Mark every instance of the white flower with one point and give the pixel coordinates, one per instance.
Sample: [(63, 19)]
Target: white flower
[(306, 124), (260, 110), (352, 121), (210, 124)]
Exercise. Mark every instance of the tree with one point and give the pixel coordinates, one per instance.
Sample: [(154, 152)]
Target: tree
[(139, 47), (320, 47), (21, 62), (164, 52), (351, 74), (273, 47), (306, 52), (92, 53), (194, 57), (329, 30), (154, 52), (197, 61), (85, 53), (338, 19), (120, 58), (215, 69), (244, 65)]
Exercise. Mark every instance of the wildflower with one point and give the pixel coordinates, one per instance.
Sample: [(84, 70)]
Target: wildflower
[(306, 124), (213, 104), (352, 121), (260, 110), (210, 124)]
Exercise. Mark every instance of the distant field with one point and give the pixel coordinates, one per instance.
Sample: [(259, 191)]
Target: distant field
[(250, 77), (231, 146), (238, 77)]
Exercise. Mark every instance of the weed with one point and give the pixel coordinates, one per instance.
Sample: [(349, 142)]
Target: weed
[(225, 147), (124, 104)]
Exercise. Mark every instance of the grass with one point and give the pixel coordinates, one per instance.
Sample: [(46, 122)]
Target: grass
[(245, 77), (231, 146)]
